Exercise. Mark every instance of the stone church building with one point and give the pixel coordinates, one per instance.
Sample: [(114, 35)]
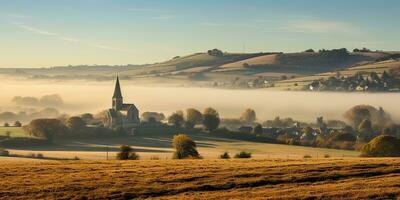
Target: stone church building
[(122, 114)]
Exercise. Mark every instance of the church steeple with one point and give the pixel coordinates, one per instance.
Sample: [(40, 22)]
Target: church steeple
[(117, 100), (117, 90)]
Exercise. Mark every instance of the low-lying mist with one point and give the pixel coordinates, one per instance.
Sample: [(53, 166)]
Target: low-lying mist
[(81, 97)]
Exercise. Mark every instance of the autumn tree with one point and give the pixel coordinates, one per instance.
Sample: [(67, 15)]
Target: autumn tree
[(75, 123), (258, 129), (211, 119), (193, 117), (365, 130), (176, 119), (185, 147), (249, 115), (357, 114)]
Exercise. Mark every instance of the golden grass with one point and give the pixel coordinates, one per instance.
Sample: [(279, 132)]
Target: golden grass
[(259, 60), (351, 178), (14, 131)]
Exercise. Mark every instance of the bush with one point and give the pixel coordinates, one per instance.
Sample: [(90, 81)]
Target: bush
[(17, 124), (39, 155), (243, 154), (4, 152), (307, 156), (126, 153), (185, 147), (327, 156), (382, 146), (225, 155)]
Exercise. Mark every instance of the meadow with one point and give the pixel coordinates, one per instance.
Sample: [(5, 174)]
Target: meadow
[(350, 178), (13, 131)]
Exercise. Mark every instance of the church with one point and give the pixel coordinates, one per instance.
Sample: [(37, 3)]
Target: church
[(122, 114)]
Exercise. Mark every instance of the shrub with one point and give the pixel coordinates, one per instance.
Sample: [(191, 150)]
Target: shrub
[(382, 146), (17, 124), (4, 152), (243, 154), (126, 153), (133, 156), (76, 158), (176, 119), (307, 156), (225, 155), (327, 156), (184, 147)]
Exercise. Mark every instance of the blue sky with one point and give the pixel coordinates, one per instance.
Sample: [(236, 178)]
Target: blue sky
[(44, 33)]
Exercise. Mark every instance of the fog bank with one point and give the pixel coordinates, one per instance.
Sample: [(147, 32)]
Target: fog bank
[(80, 97)]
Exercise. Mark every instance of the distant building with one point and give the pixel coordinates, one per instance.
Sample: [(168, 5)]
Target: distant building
[(122, 114)]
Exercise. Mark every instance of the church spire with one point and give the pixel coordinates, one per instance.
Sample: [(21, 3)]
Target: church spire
[(117, 90)]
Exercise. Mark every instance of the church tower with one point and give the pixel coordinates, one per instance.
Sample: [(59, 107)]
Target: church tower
[(117, 100)]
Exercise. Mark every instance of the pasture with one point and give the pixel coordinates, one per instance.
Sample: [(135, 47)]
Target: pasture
[(13, 131), (351, 178), (148, 146)]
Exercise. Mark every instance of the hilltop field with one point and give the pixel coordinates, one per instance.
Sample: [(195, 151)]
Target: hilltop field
[(351, 178)]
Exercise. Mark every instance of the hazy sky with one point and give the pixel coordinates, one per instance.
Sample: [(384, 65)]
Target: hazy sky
[(45, 33)]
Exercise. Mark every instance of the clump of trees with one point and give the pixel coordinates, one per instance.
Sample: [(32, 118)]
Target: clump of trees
[(152, 117), (45, 128), (363, 50), (369, 121), (176, 119), (185, 147), (126, 152), (211, 119), (215, 52)]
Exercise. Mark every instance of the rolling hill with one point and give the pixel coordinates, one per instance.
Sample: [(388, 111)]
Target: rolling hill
[(378, 67), (205, 66)]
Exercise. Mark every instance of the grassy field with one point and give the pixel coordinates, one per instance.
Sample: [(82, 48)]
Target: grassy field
[(351, 178), (160, 146), (14, 131)]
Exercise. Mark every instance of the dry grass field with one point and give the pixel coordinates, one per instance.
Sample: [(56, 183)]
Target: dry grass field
[(350, 178)]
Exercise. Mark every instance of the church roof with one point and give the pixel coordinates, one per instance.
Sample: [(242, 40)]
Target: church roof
[(117, 90)]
